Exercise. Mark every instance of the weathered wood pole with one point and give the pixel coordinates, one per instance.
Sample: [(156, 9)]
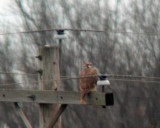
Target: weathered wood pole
[(50, 80)]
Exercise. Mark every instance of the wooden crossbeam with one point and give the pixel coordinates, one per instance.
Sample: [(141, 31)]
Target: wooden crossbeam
[(49, 97), (55, 117), (22, 115)]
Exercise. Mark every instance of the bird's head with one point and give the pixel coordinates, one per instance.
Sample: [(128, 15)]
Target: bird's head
[(88, 64)]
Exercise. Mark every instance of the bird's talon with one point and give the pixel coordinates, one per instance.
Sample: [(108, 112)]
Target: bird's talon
[(82, 101)]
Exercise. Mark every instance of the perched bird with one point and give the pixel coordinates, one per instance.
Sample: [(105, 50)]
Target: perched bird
[(88, 80)]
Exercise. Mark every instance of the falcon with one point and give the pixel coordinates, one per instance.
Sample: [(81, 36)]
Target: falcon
[(88, 80)]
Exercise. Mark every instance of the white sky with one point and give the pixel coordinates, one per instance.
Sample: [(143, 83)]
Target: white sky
[(7, 16), (3, 6), (112, 3), (6, 4)]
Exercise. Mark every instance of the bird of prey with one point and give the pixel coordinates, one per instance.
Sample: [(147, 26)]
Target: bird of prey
[(88, 80)]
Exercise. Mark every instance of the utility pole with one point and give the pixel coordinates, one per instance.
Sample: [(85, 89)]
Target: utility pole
[(60, 36), (49, 95), (50, 80)]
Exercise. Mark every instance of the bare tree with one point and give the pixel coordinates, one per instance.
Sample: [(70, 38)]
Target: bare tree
[(130, 53)]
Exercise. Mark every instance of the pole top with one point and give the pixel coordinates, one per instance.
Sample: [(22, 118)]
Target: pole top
[(60, 32)]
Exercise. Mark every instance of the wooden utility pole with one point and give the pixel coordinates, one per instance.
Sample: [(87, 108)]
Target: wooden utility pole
[(50, 80)]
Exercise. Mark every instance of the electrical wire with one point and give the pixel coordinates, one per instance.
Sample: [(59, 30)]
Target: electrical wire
[(18, 73), (122, 80), (116, 76), (63, 78), (70, 78), (8, 84), (132, 76), (108, 75), (54, 29), (82, 30), (111, 77), (141, 81)]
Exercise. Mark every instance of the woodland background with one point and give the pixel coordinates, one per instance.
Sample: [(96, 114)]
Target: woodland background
[(130, 45)]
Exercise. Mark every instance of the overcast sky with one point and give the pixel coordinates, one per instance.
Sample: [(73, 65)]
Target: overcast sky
[(5, 3), (3, 6)]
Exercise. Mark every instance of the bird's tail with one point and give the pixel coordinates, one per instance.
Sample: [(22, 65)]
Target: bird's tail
[(84, 94), (83, 100)]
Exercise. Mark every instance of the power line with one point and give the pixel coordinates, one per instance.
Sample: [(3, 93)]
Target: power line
[(18, 73), (54, 29), (141, 81), (116, 76), (70, 78), (108, 75), (132, 76), (112, 77), (121, 80), (81, 30), (9, 84)]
